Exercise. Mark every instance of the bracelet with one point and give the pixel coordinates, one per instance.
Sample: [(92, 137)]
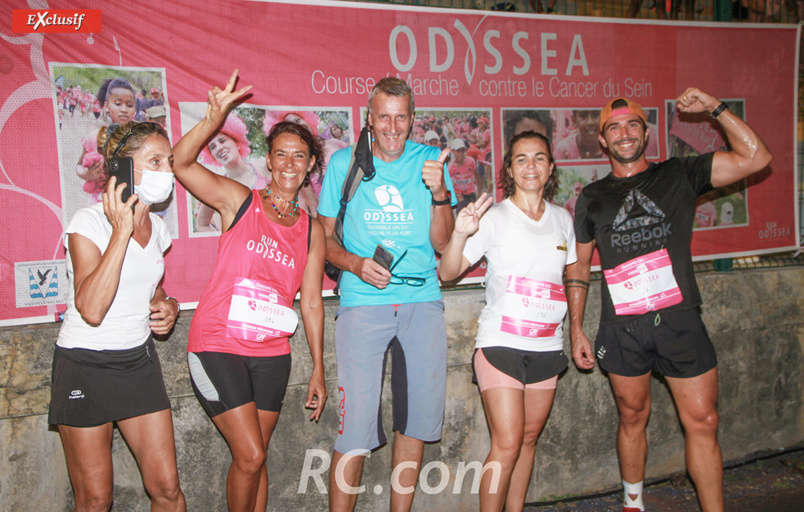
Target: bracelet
[(719, 110), (444, 201), (178, 304), (577, 283)]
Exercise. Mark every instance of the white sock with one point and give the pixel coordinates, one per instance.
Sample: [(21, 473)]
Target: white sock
[(633, 495)]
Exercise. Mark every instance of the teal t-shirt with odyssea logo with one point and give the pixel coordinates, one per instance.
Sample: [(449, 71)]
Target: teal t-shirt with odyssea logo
[(392, 210)]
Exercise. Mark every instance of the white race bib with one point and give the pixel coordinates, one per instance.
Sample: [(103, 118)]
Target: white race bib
[(259, 312), (643, 284), (534, 309)]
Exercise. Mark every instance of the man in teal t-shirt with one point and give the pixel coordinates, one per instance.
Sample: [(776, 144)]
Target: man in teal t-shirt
[(406, 210)]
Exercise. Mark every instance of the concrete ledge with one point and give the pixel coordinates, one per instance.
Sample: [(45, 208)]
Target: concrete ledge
[(754, 317)]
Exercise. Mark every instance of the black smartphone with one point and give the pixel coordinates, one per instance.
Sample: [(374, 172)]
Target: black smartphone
[(122, 168), (383, 257)]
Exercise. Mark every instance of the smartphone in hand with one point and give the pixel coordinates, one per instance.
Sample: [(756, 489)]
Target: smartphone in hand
[(383, 257), (122, 168)]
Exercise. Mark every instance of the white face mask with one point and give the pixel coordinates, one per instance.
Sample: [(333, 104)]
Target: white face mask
[(155, 186)]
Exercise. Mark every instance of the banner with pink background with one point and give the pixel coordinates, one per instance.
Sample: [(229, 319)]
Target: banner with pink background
[(478, 76)]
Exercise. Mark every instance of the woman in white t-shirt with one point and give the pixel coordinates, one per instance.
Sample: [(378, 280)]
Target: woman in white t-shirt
[(528, 242), (105, 367)]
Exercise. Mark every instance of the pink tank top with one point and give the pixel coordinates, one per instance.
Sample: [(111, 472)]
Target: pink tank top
[(246, 308), (463, 179)]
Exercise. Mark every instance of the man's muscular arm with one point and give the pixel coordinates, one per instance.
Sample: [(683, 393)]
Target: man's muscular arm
[(748, 154)]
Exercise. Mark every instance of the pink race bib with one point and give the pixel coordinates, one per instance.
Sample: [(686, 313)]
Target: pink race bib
[(534, 309), (258, 312), (643, 284)]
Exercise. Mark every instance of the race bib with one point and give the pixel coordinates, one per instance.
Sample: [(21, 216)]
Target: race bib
[(643, 284), (534, 309), (258, 312)]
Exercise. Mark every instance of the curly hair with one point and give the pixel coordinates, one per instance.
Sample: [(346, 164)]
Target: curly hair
[(132, 135), (507, 181), (314, 144)]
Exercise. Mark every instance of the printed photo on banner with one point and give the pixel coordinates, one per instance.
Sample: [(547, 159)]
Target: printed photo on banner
[(239, 149), (573, 133), (572, 179), (87, 98), (696, 134), (468, 134)]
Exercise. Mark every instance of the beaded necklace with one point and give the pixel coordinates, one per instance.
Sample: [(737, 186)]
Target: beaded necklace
[(294, 202)]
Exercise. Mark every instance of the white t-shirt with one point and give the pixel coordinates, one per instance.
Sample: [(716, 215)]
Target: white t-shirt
[(126, 324), (525, 300)]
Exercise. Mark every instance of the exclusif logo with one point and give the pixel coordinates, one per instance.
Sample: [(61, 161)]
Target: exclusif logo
[(54, 21)]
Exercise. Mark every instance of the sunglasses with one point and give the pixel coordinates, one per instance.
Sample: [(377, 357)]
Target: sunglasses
[(408, 280)]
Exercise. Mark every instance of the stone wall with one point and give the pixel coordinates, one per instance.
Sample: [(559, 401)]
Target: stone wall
[(754, 317)]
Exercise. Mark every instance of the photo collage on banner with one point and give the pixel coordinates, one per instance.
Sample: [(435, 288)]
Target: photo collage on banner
[(468, 134), (239, 151), (87, 98), (473, 89), (693, 135)]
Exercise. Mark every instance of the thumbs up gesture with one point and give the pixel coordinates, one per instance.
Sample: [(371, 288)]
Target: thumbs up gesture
[(433, 175)]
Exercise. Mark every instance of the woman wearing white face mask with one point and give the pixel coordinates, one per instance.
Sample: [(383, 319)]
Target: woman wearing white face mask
[(154, 186), (106, 368)]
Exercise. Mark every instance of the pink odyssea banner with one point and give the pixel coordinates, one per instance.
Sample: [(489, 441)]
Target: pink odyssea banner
[(477, 76)]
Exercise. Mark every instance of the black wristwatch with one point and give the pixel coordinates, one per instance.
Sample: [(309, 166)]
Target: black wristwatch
[(447, 200)]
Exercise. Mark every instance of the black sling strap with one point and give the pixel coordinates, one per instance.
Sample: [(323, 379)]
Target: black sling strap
[(361, 168)]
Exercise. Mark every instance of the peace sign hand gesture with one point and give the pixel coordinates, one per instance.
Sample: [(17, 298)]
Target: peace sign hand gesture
[(221, 101), (468, 220)]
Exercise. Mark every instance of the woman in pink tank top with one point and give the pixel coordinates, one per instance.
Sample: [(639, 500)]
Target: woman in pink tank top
[(270, 249)]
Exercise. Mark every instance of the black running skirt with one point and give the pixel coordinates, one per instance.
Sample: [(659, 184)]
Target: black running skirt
[(94, 387)]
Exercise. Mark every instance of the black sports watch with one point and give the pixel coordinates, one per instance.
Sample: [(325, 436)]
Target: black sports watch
[(447, 200)]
